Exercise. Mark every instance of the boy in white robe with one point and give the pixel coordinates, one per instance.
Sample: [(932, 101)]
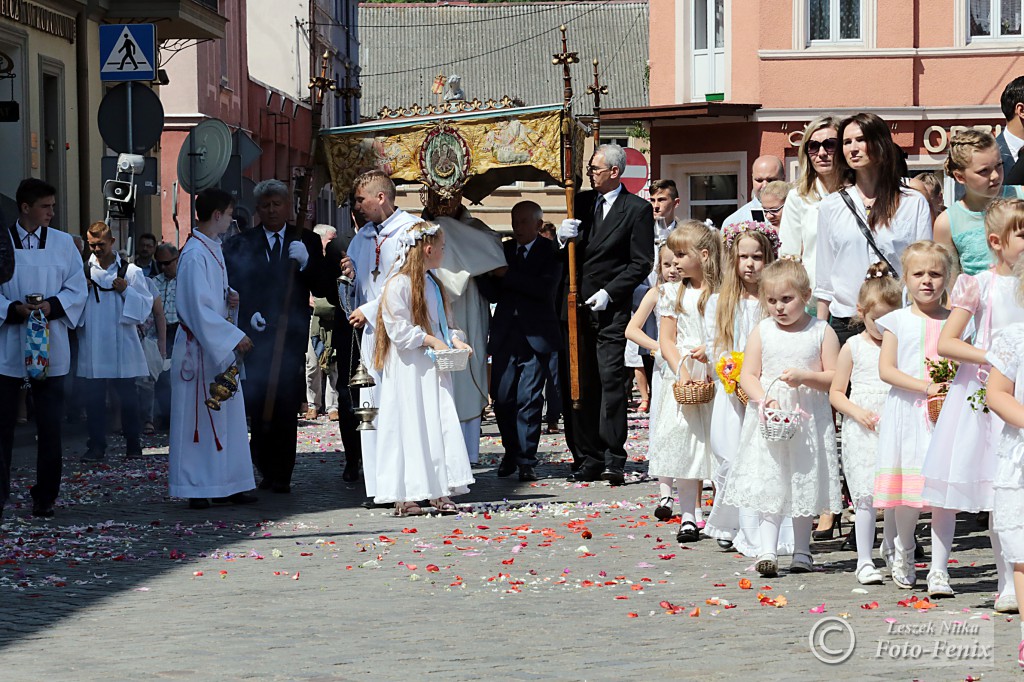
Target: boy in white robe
[(372, 254), (209, 454), (46, 262), (109, 348)]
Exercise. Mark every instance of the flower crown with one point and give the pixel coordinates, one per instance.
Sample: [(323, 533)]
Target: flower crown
[(408, 239), (733, 230)]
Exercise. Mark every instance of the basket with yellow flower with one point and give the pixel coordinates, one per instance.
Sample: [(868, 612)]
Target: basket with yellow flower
[(728, 370)]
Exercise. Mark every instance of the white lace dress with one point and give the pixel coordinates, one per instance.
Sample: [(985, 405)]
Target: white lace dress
[(681, 438), (1007, 355), (800, 476), (860, 445)]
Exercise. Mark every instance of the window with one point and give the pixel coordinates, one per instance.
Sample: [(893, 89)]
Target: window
[(833, 21), (994, 18), (712, 196), (708, 48)]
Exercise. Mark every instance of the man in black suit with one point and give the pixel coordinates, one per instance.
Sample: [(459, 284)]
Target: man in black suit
[(274, 267), (524, 338), (1011, 139), (615, 231)]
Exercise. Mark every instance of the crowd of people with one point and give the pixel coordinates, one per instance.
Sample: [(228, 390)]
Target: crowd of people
[(844, 341)]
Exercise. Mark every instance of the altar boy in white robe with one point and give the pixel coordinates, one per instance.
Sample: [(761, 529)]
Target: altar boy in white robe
[(372, 254), (109, 348), (209, 455), (46, 262)]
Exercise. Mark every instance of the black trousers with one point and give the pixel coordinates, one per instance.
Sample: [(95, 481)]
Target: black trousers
[(48, 396), (598, 431), (517, 384), (96, 413), (273, 439), (845, 328)]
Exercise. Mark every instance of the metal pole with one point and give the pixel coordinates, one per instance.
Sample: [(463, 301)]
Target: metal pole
[(192, 177)]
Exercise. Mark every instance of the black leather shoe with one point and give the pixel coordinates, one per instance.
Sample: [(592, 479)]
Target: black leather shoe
[(282, 488), (42, 510), (265, 484), (198, 503), (237, 498), (687, 533), (526, 473), (93, 456), (614, 477), (583, 476), (351, 472), (725, 545), (850, 543), (507, 467)]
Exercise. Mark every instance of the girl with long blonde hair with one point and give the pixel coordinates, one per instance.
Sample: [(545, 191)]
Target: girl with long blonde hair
[(421, 453)]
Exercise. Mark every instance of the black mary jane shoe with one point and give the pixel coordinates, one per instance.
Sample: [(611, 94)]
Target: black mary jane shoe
[(688, 533), (725, 545)]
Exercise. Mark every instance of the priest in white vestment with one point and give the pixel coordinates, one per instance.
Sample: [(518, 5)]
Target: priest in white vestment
[(471, 249), (209, 449), (110, 351), (372, 254)]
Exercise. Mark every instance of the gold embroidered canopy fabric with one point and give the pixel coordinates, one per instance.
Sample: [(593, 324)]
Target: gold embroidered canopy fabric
[(478, 152)]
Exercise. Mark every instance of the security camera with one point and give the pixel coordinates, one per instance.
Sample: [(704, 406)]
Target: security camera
[(131, 163)]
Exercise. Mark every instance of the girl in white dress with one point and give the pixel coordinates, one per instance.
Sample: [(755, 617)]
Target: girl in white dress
[(1005, 395), (736, 310), (680, 441), (421, 453), (858, 365), (667, 272), (961, 461), (793, 356), (909, 339)]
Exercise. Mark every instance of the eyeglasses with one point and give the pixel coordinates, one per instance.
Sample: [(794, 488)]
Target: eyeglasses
[(164, 263), (595, 169), (831, 144), (773, 211)]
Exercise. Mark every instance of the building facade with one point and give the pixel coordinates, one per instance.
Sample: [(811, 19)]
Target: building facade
[(734, 79)]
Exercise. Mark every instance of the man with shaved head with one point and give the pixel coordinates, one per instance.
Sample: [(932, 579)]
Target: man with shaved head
[(524, 338), (766, 169)]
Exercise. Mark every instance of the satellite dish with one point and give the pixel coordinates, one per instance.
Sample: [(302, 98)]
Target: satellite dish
[(205, 155)]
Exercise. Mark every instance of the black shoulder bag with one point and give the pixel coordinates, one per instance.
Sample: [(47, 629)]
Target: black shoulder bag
[(866, 231)]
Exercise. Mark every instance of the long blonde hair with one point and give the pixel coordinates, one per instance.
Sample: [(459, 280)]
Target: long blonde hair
[(732, 288), (806, 184), (692, 237), (415, 269)]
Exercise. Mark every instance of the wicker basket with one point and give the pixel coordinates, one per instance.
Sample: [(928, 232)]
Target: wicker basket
[(935, 406), (742, 396), (452, 360), (696, 393), (778, 425)]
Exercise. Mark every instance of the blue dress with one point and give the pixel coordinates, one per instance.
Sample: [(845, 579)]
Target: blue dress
[(968, 231)]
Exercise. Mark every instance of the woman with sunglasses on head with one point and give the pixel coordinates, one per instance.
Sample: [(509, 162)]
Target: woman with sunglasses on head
[(874, 217), (817, 179)]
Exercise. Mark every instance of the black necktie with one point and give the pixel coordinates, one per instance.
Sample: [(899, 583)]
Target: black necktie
[(275, 250), (599, 211), (521, 254)]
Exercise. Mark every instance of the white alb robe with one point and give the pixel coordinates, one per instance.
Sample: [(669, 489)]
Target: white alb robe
[(471, 249), (54, 270), (108, 341), (421, 453), (205, 347), (363, 252)]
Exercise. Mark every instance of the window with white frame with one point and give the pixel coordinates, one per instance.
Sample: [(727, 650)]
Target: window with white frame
[(994, 19), (707, 59), (835, 21)]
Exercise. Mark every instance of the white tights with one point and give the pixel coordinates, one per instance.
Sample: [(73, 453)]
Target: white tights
[(864, 528), (769, 531), (1005, 572), (688, 490), (943, 527)]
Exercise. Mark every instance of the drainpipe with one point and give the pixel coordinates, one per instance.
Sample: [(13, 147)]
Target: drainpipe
[(82, 55)]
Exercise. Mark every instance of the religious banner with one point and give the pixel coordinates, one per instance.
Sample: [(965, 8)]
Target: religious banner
[(475, 152)]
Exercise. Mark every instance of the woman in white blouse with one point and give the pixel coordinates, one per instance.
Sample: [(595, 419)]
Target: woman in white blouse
[(818, 177), (894, 216)]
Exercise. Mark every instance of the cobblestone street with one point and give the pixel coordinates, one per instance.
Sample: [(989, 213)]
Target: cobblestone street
[(542, 581)]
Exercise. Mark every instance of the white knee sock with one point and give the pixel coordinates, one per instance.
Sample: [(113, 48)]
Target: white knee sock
[(665, 487), (943, 528), (802, 527), (769, 531), (864, 527), (906, 522), (1004, 571), (689, 492)]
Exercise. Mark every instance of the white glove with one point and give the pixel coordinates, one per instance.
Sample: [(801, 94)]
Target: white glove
[(298, 253), (598, 301), (569, 229), (257, 322)]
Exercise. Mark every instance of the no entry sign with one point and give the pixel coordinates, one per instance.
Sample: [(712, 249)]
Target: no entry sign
[(637, 171)]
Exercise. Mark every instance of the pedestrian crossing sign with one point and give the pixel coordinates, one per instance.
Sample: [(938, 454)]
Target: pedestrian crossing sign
[(127, 52)]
